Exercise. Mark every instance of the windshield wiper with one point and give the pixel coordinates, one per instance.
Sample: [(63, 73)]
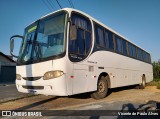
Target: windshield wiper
[(26, 50), (38, 48)]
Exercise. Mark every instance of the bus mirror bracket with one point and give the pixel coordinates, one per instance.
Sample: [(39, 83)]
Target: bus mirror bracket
[(12, 44), (73, 32)]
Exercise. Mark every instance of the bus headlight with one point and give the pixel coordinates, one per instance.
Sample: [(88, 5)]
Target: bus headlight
[(18, 77), (52, 74)]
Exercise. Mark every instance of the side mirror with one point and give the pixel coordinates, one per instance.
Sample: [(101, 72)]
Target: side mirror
[(12, 44), (73, 32)]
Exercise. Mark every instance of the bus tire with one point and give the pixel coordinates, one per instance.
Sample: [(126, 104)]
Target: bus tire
[(143, 84), (102, 89)]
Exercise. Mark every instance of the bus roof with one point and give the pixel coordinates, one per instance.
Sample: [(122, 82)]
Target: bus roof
[(91, 18)]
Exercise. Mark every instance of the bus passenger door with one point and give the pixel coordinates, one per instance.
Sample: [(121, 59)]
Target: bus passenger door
[(79, 79), (80, 43)]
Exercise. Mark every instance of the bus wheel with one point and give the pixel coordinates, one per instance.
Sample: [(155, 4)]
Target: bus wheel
[(102, 89), (143, 84)]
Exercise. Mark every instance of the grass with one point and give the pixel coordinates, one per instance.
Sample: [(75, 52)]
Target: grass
[(155, 82)]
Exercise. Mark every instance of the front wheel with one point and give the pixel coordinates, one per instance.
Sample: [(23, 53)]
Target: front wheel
[(102, 89)]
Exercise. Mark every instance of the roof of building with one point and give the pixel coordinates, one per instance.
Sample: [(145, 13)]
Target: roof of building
[(7, 57)]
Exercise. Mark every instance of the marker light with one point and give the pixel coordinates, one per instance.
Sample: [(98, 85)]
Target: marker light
[(52, 74)]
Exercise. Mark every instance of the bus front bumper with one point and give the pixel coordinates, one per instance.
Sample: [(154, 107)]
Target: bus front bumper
[(56, 86)]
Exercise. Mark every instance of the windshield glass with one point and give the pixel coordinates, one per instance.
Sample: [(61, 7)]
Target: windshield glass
[(44, 39), (26, 47)]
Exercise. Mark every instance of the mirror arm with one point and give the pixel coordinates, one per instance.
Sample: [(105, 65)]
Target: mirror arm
[(13, 55), (16, 36), (13, 44)]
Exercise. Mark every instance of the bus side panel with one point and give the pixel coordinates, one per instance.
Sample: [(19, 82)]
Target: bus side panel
[(122, 70)]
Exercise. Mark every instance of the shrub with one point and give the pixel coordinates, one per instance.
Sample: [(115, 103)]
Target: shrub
[(156, 71)]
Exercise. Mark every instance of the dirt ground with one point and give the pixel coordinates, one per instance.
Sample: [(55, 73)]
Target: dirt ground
[(41, 102)]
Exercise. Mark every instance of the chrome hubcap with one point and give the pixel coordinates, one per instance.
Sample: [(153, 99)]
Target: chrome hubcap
[(101, 87)]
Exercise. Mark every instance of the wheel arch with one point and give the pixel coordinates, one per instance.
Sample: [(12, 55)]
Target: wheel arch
[(144, 76)]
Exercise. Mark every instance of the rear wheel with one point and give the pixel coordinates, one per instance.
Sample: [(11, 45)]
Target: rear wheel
[(102, 89), (143, 84)]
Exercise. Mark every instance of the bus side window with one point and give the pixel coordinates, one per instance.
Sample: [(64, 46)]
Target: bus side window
[(124, 47), (104, 38), (149, 56), (100, 41), (144, 56), (118, 44), (109, 40), (132, 50), (139, 54), (121, 45)]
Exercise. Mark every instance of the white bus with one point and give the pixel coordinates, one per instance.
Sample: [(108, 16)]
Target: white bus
[(69, 52)]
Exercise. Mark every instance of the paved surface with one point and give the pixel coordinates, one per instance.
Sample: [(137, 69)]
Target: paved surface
[(9, 92), (120, 99)]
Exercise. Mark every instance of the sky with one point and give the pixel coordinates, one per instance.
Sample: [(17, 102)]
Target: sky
[(136, 20)]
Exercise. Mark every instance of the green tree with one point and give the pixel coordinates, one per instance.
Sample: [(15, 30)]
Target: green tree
[(156, 70)]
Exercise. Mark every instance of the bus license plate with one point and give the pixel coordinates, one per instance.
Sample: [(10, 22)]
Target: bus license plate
[(32, 91)]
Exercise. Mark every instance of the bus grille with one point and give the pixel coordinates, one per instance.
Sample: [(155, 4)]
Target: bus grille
[(31, 78), (34, 87)]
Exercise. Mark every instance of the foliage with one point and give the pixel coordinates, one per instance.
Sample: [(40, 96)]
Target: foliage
[(156, 75), (156, 70), (155, 82)]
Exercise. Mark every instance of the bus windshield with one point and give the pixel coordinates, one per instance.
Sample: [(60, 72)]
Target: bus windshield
[(43, 39)]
